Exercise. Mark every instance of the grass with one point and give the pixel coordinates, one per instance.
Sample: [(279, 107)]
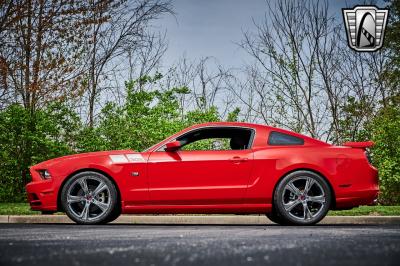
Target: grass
[(15, 209), (24, 209), (369, 210)]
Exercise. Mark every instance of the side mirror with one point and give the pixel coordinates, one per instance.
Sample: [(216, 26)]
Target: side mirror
[(172, 146)]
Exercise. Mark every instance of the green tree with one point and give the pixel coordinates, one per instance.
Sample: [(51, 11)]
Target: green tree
[(145, 118), (55, 129), (384, 131)]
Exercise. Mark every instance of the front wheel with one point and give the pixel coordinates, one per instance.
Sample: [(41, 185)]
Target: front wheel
[(302, 198), (274, 217), (89, 198)]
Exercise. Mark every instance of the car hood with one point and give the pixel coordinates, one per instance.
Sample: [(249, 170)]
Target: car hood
[(78, 156)]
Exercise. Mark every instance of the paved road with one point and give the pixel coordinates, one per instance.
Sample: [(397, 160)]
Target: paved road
[(198, 245)]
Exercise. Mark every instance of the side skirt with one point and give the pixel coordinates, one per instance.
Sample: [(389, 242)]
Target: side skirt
[(203, 209)]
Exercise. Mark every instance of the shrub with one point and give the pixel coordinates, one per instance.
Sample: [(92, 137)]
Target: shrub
[(385, 131), (28, 138)]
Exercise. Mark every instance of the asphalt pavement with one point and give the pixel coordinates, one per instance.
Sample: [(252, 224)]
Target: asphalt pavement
[(119, 244)]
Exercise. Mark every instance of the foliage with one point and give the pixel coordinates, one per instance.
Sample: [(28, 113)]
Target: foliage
[(384, 130), (146, 118), (31, 138), (351, 124), (234, 115)]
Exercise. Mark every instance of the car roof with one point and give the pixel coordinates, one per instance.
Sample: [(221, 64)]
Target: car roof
[(256, 126), (235, 124)]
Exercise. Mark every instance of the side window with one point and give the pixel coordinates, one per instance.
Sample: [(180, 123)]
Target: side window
[(278, 138), (211, 144), (216, 139)]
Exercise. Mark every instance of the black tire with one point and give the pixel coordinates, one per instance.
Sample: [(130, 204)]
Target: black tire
[(274, 217), (303, 207), (104, 214), (115, 214)]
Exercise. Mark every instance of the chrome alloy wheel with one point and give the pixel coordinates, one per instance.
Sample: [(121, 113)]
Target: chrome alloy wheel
[(88, 198), (303, 198)]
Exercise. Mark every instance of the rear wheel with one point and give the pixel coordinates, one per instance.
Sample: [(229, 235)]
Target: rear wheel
[(90, 198), (302, 198)]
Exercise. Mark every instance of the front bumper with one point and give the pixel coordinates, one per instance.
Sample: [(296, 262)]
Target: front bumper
[(42, 195)]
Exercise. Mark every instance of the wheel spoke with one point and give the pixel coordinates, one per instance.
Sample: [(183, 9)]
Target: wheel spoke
[(292, 188), (309, 183), (84, 186), (85, 212), (99, 188), (319, 199), (290, 205), (307, 212), (74, 199), (103, 206)]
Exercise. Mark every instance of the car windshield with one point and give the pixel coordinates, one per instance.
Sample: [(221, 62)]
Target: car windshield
[(151, 147)]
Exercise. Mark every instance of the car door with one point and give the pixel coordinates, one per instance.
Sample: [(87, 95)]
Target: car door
[(201, 177)]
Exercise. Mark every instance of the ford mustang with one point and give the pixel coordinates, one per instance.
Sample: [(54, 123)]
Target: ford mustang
[(237, 168)]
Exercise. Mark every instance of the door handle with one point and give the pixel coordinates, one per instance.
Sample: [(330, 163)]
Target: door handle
[(238, 159)]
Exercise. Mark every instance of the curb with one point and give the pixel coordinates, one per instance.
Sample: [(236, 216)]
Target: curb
[(199, 219)]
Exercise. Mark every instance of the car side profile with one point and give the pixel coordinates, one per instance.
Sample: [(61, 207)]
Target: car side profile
[(222, 167)]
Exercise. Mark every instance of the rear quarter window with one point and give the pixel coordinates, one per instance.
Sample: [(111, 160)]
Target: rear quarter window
[(278, 138)]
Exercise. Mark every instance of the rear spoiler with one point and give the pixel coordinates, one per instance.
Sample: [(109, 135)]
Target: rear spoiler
[(361, 145)]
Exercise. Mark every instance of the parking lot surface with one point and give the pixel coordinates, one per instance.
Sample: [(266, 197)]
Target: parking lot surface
[(116, 244)]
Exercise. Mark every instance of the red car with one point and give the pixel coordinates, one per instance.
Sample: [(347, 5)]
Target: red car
[(210, 168)]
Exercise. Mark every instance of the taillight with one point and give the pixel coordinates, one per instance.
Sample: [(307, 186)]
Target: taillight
[(368, 156)]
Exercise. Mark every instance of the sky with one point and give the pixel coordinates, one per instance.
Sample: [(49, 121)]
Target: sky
[(214, 28), (210, 28)]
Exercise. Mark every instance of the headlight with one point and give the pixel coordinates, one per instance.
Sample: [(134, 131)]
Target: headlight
[(44, 174)]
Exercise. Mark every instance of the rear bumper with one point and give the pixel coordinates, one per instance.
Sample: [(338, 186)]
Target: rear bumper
[(41, 194), (367, 197), (363, 191)]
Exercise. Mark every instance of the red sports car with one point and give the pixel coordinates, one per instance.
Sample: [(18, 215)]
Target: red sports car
[(210, 168)]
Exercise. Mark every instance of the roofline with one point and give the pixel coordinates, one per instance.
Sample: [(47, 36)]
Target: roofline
[(245, 124), (237, 124), (254, 125)]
